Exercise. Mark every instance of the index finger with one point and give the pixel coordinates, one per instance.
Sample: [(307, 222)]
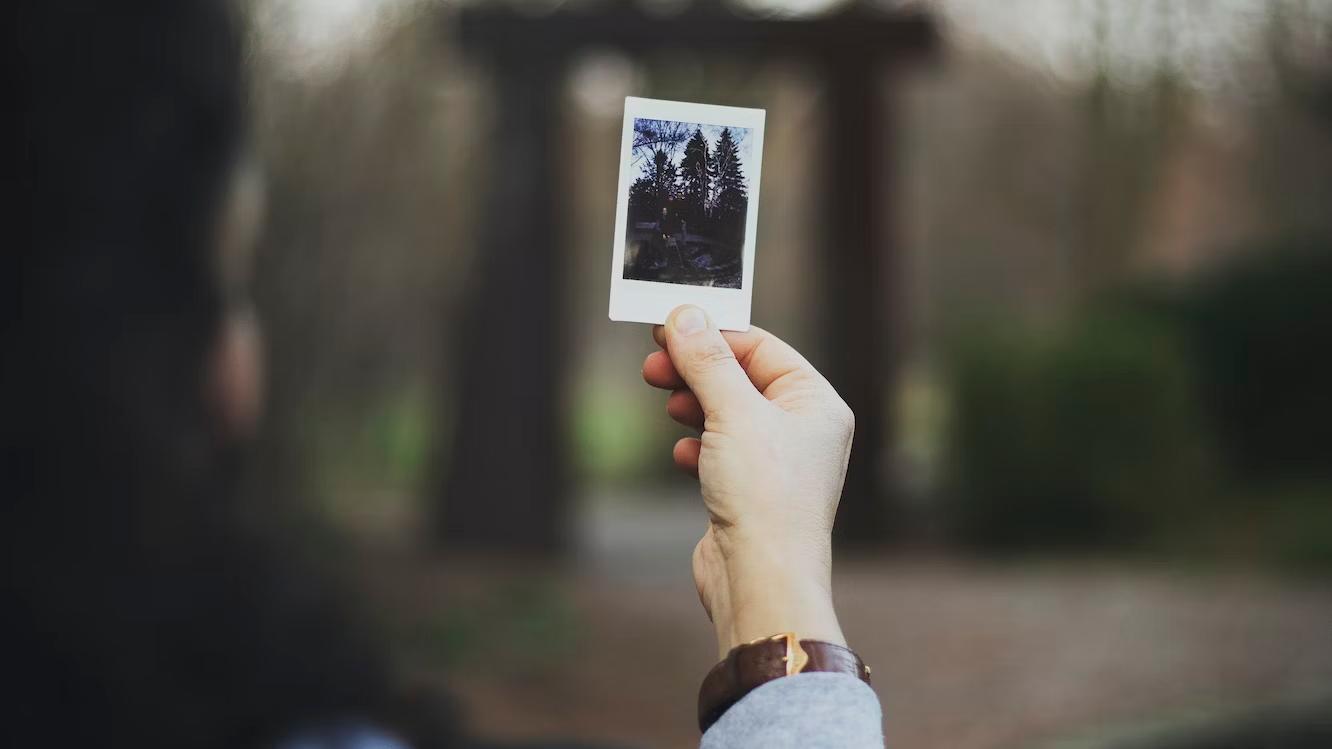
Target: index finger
[(764, 357)]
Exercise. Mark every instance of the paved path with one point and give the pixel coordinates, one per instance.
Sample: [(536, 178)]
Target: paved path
[(965, 656)]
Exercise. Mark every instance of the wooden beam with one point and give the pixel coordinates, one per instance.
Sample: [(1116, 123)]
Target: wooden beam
[(502, 32)]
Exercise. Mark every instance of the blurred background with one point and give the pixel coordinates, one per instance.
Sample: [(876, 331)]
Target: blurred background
[(1071, 263)]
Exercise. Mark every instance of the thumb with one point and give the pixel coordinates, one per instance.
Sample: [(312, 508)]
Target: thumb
[(705, 361)]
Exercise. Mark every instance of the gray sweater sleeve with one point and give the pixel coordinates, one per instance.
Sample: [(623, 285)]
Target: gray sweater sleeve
[(805, 711)]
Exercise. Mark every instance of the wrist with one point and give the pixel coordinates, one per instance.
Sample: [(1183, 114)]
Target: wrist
[(810, 615), (774, 588)]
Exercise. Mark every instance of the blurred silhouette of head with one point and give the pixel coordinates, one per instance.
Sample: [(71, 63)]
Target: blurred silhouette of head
[(145, 613)]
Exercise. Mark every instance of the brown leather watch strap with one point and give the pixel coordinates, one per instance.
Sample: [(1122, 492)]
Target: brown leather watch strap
[(749, 666)]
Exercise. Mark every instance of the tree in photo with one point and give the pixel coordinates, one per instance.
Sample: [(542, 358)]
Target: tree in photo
[(642, 197), (655, 189), (696, 181), (730, 198), (651, 136)]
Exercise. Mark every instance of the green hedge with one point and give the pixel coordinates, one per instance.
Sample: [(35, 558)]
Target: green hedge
[(1088, 436), (1160, 420)]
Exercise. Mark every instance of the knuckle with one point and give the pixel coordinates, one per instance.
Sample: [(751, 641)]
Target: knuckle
[(843, 416), (711, 356)]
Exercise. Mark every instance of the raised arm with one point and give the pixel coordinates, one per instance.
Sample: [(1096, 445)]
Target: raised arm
[(771, 458)]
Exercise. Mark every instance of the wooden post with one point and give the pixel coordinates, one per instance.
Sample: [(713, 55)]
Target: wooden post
[(860, 286), (506, 485)]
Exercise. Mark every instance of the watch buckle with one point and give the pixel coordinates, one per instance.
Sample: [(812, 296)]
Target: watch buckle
[(796, 658)]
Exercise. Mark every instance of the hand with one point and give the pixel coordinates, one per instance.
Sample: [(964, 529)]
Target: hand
[(771, 460)]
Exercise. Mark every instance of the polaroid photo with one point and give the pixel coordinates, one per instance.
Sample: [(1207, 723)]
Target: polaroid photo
[(687, 211)]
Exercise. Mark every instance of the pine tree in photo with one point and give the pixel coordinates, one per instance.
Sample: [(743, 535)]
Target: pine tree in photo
[(695, 181), (642, 198), (654, 189), (730, 197), (661, 172)]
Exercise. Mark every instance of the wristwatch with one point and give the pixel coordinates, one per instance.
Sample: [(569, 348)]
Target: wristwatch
[(755, 663)]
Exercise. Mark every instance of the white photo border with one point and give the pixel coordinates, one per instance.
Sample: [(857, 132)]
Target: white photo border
[(652, 301)]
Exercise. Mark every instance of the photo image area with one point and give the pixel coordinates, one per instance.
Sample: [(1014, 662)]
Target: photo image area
[(688, 203)]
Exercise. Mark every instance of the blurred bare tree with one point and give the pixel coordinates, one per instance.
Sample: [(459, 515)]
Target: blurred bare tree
[(364, 252)]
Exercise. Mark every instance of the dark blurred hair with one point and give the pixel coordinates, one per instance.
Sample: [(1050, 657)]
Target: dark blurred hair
[(144, 613)]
